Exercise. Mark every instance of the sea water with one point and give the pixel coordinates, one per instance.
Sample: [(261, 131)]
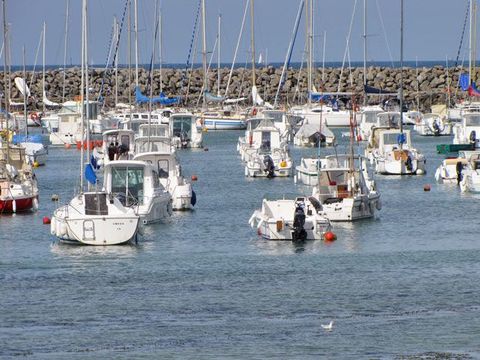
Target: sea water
[(204, 285)]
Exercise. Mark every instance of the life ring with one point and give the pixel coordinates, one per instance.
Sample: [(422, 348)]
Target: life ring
[(34, 116)]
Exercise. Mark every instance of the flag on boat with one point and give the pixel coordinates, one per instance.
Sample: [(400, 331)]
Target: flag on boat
[(162, 99), (90, 174), (464, 81)]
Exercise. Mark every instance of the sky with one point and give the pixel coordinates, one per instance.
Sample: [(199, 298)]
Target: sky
[(432, 29)]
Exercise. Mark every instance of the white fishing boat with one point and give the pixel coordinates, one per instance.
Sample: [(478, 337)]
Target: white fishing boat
[(68, 131), (296, 220), (184, 131), (268, 156), (433, 125), (395, 154), (157, 149), (307, 171), (345, 189), (468, 130), (331, 117), (136, 183)]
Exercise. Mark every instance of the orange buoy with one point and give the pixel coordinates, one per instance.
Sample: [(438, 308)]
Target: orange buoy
[(68, 146), (194, 178), (426, 187), (46, 220), (79, 145), (330, 236)]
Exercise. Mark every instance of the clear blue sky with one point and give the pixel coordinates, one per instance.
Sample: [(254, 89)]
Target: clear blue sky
[(432, 28)]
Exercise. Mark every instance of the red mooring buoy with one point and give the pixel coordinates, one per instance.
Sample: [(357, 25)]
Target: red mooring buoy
[(46, 220), (330, 236)]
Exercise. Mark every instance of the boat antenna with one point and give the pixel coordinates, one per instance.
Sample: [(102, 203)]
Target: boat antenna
[(25, 94)]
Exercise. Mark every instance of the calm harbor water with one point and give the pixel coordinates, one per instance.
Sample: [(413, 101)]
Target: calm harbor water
[(203, 285)]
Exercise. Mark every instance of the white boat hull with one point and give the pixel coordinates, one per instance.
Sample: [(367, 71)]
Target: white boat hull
[(223, 124)]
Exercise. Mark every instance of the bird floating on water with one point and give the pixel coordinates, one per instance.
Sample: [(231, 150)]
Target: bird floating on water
[(328, 327)]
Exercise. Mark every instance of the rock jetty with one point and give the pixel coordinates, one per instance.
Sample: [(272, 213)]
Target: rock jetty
[(426, 85)]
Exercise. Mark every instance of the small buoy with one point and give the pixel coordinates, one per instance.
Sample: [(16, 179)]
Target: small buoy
[(426, 187), (205, 130), (283, 164), (194, 178), (67, 146), (205, 149), (55, 197), (330, 236), (36, 164), (46, 220)]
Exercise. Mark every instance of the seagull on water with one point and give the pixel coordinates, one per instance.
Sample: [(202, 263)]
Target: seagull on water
[(328, 327)]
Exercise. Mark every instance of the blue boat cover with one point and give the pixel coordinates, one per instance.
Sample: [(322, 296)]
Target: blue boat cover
[(162, 99), (464, 81), (90, 174), (30, 138)]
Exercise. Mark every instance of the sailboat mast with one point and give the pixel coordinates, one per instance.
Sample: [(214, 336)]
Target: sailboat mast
[(117, 38), (43, 69), (160, 49), (365, 51), (87, 87), (309, 22), (470, 43), (65, 51), (252, 41), (401, 67), (218, 53), (150, 102), (25, 94), (135, 7), (5, 75), (82, 89), (204, 55)]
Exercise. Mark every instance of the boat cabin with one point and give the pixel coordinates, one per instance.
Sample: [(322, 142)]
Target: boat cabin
[(118, 144)]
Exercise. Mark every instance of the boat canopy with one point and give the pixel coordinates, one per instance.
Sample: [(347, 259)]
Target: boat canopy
[(162, 99)]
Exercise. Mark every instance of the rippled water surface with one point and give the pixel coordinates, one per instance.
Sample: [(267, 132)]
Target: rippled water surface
[(202, 285)]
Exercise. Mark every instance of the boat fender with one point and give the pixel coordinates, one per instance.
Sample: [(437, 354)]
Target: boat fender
[(53, 225), (14, 206), (473, 137), (378, 205), (35, 204), (193, 200)]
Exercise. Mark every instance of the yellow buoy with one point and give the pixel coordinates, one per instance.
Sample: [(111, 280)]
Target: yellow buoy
[(36, 164), (283, 164)]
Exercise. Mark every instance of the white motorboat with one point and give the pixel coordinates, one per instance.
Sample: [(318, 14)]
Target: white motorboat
[(296, 220), (330, 116), (395, 154), (310, 135), (470, 173), (35, 152), (136, 183), (468, 130), (269, 156), (157, 150), (368, 120), (450, 170), (68, 131), (345, 190), (184, 131), (222, 120), (18, 184), (95, 218), (307, 171), (433, 125)]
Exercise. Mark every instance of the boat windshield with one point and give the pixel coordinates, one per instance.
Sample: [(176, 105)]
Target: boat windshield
[(275, 116), (370, 117), (127, 183), (182, 126), (389, 120), (392, 138), (163, 168), (266, 141), (472, 120)]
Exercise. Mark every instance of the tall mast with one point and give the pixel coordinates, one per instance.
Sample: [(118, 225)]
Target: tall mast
[(470, 43), (87, 86), (82, 92), (204, 55), (150, 102), (218, 53), (135, 7), (65, 51), (129, 46), (309, 19), (252, 40), (25, 94), (365, 50), (5, 74), (160, 49), (117, 38), (401, 67), (43, 69)]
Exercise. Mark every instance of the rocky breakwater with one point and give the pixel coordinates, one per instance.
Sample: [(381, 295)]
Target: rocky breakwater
[(428, 85)]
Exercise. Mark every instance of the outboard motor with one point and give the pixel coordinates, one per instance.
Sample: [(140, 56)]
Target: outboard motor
[(299, 234), (317, 139), (436, 128), (408, 163), (473, 137), (459, 168), (269, 166)]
